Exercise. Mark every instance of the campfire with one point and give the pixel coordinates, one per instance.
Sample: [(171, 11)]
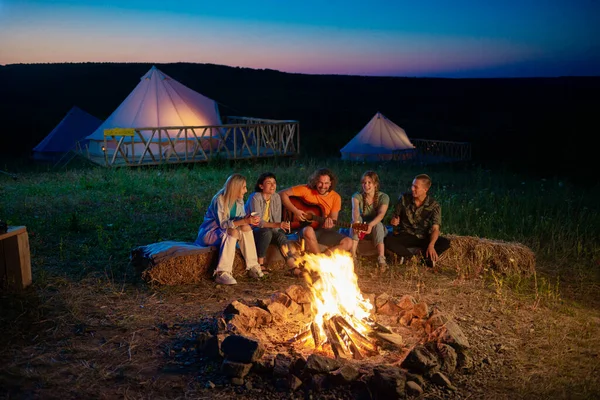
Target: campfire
[(389, 346), (342, 317)]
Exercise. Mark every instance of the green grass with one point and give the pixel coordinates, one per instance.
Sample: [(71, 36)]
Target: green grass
[(85, 220)]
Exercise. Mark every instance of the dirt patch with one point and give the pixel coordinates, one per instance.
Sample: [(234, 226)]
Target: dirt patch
[(99, 340)]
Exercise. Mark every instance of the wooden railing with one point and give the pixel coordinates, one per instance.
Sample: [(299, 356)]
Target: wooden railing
[(428, 150), (251, 138)]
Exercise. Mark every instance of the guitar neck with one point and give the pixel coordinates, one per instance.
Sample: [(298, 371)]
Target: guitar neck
[(341, 224)]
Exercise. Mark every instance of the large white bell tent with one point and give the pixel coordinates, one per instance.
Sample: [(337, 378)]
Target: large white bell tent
[(156, 103), (74, 126), (380, 139)]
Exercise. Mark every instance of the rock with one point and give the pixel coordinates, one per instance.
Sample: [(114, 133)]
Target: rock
[(278, 311), (299, 294), (420, 310), (298, 366), (221, 325), (421, 360), (436, 320), (406, 302), (242, 349), (388, 382), (405, 317), (416, 378), (281, 367), (294, 382), (320, 364), (263, 303), (282, 298), (318, 382), (208, 345), (449, 358), (389, 308), (212, 347), (294, 308), (264, 365), (237, 308), (263, 317), (235, 369), (454, 336), (360, 388), (442, 380), (417, 324), (464, 361), (240, 324), (344, 375), (381, 300), (413, 389)]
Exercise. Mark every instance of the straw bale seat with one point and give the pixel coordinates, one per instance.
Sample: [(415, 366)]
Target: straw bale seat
[(176, 263), (471, 256)]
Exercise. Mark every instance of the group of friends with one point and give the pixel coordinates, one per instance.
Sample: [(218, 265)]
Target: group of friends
[(416, 221)]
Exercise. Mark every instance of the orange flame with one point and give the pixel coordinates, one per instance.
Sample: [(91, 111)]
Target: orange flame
[(336, 291)]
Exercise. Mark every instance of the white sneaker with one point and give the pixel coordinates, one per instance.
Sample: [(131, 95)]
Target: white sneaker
[(255, 272), (382, 263), (225, 278)]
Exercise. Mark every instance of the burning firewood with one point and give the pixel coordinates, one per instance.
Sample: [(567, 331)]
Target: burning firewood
[(314, 329), (334, 340)]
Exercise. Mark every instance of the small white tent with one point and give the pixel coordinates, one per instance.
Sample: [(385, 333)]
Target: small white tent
[(378, 140), (157, 101)]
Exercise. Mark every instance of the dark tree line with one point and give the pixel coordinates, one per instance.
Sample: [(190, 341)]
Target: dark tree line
[(543, 124)]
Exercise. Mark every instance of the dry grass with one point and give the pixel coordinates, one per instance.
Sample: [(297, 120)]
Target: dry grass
[(471, 256), (92, 340)]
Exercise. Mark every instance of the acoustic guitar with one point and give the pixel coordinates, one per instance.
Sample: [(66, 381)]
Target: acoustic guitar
[(315, 216)]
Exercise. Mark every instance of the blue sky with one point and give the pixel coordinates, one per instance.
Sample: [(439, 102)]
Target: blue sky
[(381, 38)]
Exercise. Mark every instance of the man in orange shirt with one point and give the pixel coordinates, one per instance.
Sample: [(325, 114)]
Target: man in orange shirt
[(320, 192)]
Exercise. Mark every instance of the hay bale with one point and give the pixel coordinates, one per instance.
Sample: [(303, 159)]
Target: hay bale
[(179, 263), (470, 256)]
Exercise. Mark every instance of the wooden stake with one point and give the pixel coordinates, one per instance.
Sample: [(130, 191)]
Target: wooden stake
[(314, 329), (334, 340), (362, 340), (300, 337), (347, 337)]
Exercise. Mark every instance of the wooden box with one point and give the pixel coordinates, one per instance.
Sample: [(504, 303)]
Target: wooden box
[(15, 259)]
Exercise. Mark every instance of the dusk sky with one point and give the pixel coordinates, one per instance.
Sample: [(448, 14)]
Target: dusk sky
[(441, 38)]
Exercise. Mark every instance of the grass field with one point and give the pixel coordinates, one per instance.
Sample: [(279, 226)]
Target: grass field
[(84, 221)]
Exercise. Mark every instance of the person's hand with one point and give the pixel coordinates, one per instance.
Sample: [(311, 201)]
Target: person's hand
[(395, 221), (431, 253), (285, 225), (328, 224), (301, 215), (369, 229), (254, 219)]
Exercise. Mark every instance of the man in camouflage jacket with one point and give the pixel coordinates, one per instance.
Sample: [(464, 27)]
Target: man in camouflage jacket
[(416, 220)]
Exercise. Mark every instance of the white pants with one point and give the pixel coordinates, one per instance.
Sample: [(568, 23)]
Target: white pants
[(227, 251)]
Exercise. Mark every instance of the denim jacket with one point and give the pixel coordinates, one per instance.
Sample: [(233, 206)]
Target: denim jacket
[(256, 202), (217, 220)]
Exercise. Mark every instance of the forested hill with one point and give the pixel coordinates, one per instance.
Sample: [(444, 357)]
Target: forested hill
[(541, 122)]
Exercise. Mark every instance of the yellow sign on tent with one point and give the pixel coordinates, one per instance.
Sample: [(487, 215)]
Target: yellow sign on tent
[(119, 132)]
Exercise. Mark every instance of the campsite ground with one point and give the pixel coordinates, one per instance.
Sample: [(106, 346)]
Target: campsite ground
[(89, 327), (106, 340)]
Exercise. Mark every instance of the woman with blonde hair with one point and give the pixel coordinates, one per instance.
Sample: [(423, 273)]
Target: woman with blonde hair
[(225, 223), (369, 206)]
